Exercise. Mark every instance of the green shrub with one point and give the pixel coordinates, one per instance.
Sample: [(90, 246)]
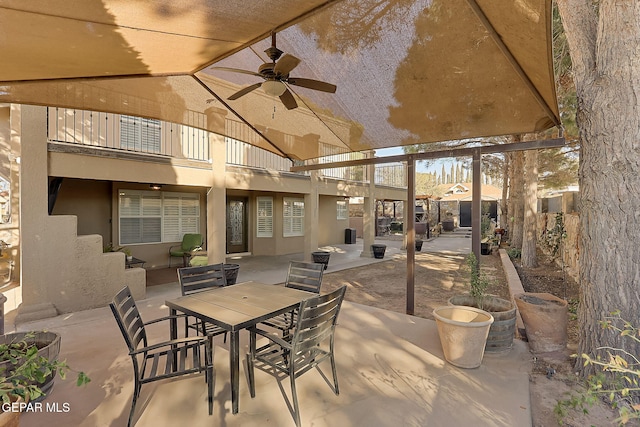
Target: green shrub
[(514, 253)]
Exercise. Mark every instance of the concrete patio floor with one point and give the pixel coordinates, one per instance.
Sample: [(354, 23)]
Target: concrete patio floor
[(391, 370)]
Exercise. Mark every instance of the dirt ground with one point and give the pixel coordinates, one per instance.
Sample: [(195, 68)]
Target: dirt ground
[(439, 277)]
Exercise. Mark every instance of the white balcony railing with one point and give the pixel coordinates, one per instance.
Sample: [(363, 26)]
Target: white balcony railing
[(153, 137)]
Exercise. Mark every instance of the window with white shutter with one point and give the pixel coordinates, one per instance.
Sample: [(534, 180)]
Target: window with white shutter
[(293, 217), (265, 216), (140, 134), (156, 217), (341, 210)]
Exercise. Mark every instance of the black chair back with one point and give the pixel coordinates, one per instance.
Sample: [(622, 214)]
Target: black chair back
[(317, 319), (305, 276), (129, 320), (197, 279)]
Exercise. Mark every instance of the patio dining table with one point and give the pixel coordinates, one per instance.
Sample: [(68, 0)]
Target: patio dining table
[(234, 308)]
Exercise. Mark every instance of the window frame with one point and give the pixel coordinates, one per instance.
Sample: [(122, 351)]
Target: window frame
[(289, 220), (188, 215), (264, 222), (342, 210)]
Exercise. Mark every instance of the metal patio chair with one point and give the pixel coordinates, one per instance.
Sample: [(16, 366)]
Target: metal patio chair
[(198, 279), (161, 360), (305, 276), (311, 343)]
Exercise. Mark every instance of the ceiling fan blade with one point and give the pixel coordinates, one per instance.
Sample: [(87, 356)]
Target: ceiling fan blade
[(288, 100), (237, 70), (312, 84), (244, 91), (286, 64)]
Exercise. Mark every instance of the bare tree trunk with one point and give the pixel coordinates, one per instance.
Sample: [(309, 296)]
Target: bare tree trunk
[(528, 256), (504, 210), (604, 50), (517, 199)]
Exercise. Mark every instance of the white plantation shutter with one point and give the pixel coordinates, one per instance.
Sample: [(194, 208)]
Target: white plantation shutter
[(265, 217), (140, 134), (293, 217), (171, 211), (181, 215), (341, 210), (155, 217), (140, 217)]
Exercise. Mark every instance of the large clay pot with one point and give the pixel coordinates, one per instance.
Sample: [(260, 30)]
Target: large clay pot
[(503, 328), (545, 318), (463, 334)]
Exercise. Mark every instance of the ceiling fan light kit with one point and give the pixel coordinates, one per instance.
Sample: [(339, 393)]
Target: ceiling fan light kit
[(273, 87)]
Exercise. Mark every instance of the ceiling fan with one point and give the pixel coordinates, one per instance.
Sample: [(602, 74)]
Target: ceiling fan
[(276, 74)]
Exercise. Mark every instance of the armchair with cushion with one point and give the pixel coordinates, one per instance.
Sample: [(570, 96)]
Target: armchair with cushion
[(189, 243)]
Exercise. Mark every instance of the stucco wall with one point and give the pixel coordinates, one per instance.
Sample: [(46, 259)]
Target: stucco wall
[(61, 272), (330, 228), (90, 202)]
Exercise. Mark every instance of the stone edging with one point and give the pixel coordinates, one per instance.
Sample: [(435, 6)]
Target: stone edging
[(515, 285)]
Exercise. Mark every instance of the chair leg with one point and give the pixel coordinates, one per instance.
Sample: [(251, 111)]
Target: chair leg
[(250, 359), (210, 373), (136, 391), (294, 396), (336, 390)]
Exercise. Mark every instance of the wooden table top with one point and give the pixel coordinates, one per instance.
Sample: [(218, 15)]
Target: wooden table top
[(237, 306)]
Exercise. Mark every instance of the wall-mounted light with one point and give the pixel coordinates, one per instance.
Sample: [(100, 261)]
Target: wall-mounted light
[(155, 186)]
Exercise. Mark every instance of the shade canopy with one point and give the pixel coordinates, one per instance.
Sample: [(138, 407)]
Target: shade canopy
[(406, 71)]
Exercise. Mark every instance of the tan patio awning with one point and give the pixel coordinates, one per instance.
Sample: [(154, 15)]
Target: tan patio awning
[(407, 71)]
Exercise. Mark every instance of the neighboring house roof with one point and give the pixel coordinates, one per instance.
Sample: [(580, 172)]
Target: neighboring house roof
[(463, 191)]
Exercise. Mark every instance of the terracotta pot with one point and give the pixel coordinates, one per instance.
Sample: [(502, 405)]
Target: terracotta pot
[(463, 334), (545, 319), (503, 328), (11, 418)]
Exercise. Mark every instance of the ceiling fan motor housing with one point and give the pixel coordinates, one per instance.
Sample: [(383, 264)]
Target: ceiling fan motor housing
[(266, 69), (273, 52)]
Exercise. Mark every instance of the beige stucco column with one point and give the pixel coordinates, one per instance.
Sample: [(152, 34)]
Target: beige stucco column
[(217, 202), (369, 217), (311, 218), (43, 258)]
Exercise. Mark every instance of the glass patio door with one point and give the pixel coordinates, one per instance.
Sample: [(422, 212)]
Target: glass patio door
[(236, 225)]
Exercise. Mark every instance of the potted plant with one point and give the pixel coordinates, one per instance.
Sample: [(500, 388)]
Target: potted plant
[(126, 251), (448, 222), (503, 329), (28, 366)]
